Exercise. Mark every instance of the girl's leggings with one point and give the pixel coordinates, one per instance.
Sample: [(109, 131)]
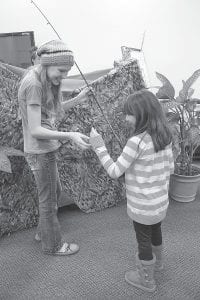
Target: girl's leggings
[(147, 235)]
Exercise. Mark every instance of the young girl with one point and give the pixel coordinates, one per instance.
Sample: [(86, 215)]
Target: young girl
[(147, 162), (40, 105)]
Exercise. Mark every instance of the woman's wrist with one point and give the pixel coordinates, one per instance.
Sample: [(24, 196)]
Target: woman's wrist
[(69, 135), (77, 99)]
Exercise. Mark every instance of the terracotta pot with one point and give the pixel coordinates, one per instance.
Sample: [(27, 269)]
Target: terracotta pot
[(183, 188)]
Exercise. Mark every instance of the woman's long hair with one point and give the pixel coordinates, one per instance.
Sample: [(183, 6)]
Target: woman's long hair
[(147, 110), (51, 94)]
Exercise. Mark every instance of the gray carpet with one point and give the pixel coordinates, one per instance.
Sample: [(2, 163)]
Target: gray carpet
[(108, 247)]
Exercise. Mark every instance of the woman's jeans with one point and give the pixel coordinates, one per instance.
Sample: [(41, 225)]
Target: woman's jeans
[(147, 235), (44, 167)]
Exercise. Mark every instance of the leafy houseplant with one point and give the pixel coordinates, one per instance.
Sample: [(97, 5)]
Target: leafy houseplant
[(183, 118)]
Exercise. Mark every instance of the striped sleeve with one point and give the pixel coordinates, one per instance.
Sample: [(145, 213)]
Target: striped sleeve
[(118, 168), (171, 162)]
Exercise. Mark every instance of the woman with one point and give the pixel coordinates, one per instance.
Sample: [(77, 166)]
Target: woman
[(40, 105)]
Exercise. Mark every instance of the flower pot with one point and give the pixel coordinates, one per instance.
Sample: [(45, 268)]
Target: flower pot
[(183, 188)]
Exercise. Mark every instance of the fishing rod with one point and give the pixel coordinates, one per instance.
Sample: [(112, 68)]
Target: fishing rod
[(85, 80)]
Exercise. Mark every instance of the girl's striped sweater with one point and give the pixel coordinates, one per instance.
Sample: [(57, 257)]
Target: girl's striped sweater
[(147, 176)]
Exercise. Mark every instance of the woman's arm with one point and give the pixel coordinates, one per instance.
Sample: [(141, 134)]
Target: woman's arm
[(66, 105), (80, 98), (39, 132)]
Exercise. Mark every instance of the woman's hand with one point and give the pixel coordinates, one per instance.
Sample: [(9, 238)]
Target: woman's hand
[(80, 98), (84, 94), (80, 139)]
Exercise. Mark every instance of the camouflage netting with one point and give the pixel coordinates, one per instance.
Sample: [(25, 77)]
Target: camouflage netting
[(84, 180), (18, 197)]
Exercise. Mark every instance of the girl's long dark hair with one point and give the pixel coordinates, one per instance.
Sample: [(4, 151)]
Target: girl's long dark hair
[(149, 117)]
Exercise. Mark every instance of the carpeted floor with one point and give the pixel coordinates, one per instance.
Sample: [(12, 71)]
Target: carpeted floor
[(108, 247)]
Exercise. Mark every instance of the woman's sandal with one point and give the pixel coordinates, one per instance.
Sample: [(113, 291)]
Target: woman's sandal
[(67, 249)]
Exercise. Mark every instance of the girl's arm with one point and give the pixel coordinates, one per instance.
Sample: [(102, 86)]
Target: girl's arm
[(39, 132), (124, 161)]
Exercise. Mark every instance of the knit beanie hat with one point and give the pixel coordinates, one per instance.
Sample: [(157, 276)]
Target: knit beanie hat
[(55, 53)]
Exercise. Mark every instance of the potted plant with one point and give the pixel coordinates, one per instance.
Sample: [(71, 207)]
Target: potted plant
[(183, 118)]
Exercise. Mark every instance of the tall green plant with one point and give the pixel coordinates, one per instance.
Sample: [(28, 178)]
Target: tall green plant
[(183, 120)]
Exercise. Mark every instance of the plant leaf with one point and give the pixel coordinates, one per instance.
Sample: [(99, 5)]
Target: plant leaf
[(175, 130), (190, 92), (167, 90), (186, 85), (5, 165), (179, 100), (173, 117), (194, 134), (169, 104)]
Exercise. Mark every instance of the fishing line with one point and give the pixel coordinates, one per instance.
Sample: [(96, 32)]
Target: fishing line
[(95, 98)]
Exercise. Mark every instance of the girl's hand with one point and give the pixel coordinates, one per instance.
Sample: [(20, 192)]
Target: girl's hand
[(81, 140), (96, 139)]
